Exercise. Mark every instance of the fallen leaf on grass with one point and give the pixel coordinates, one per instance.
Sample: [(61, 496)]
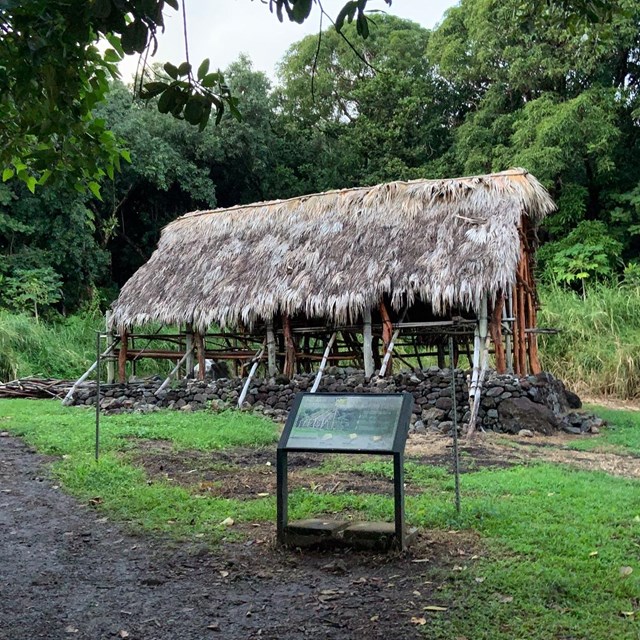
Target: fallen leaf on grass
[(96, 500), (224, 574), (434, 607), (505, 599), (418, 621), (627, 614), (374, 618), (123, 634), (593, 554), (625, 571), (480, 580), (421, 560), (227, 522), (262, 495)]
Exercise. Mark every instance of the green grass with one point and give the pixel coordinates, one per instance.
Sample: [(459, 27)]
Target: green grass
[(621, 436), (552, 539)]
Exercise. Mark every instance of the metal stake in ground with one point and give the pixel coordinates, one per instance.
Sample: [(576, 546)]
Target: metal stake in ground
[(454, 413), (98, 335)]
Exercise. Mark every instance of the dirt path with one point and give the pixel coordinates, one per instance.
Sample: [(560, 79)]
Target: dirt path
[(67, 573)]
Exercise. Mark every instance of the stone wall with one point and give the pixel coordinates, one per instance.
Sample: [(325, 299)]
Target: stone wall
[(509, 403)]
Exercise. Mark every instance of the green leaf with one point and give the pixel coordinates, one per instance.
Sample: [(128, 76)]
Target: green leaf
[(134, 37), (203, 69), (362, 25), (172, 70), (301, 10), (211, 79), (194, 109), (153, 89), (184, 69), (346, 13), (31, 183), (7, 174), (94, 187), (125, 156)]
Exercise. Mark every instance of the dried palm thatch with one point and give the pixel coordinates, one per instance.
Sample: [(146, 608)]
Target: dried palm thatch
[(333, 254)]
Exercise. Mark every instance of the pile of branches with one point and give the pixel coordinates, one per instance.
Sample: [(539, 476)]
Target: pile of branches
[(35, 388)]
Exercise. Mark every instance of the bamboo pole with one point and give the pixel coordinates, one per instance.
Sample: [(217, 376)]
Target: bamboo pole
[(272, 367), (475, 405), (122, 357), (323, 364), (289, 347), (367, 348), (479, 336), (508, 325)]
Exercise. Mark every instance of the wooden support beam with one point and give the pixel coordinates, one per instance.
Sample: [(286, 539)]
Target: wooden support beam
[(122, 357), (111, 341), (495, 328), (189, 363), (323, 364), (200, 353), (289, 347), (272, 367), (367, 345), (387, 337)]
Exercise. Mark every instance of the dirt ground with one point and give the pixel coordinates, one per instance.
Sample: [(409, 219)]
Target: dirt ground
[(67, 572)]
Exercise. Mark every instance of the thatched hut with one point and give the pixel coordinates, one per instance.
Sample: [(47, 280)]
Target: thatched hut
[(416, 259)]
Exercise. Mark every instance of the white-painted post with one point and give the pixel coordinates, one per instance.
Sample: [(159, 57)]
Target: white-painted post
[(68, 398), (111, 365), (481, 357), (254, 367), (190, 362), (173, 373), (323, 364), (387, 355), (367, 350), (271, 349)]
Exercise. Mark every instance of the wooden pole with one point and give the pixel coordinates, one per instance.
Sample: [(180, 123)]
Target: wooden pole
[(289, 347), (122, 357), (387, 339), (387, 356), (495, 328), (111, 340), (199, 340), (254, 367), (507, 312), (323, 364), (479, 337), (189, 363), (271, 349), (173, 373), (367, 347)]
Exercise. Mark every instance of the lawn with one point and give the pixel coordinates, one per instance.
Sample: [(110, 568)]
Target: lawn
[(559, 548)]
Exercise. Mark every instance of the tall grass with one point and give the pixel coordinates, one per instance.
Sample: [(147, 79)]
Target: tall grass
[(62, 349), (597, 351)]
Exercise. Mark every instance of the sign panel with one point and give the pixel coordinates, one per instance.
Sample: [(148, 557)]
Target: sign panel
[(340, 422)]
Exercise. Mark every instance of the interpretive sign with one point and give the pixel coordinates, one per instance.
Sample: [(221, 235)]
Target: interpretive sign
[(347, 423)]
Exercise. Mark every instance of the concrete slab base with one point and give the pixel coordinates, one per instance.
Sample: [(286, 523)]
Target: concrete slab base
[(313, 532), (372, 536), (376, 536)]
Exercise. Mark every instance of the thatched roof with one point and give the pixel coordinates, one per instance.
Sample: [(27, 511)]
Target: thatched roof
[(332, 254)]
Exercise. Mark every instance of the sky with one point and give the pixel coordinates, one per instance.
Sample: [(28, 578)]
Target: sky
[(223, 29)]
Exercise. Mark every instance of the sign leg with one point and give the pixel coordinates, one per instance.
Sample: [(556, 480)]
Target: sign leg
[(282, 494), (398, 495)]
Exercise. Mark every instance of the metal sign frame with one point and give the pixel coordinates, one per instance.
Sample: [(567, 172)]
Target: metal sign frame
[(396, 450)]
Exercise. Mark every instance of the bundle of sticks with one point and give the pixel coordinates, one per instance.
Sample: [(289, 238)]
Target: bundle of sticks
[(35, 388)]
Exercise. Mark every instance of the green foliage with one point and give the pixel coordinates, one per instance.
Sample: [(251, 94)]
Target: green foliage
[(30, 289), (597, 351)]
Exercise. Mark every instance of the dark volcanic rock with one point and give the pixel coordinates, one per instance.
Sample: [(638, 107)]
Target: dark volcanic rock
[(521, 413)]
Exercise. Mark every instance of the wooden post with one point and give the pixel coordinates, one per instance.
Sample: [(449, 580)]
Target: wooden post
[(199, 340), (387, 336), (271, 349), (507, 312), (189, 363), (386, 362), (111, 367), (495, 328), (367, 348), (479, 338), (441, 354), (289, 347), (122, 357)]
